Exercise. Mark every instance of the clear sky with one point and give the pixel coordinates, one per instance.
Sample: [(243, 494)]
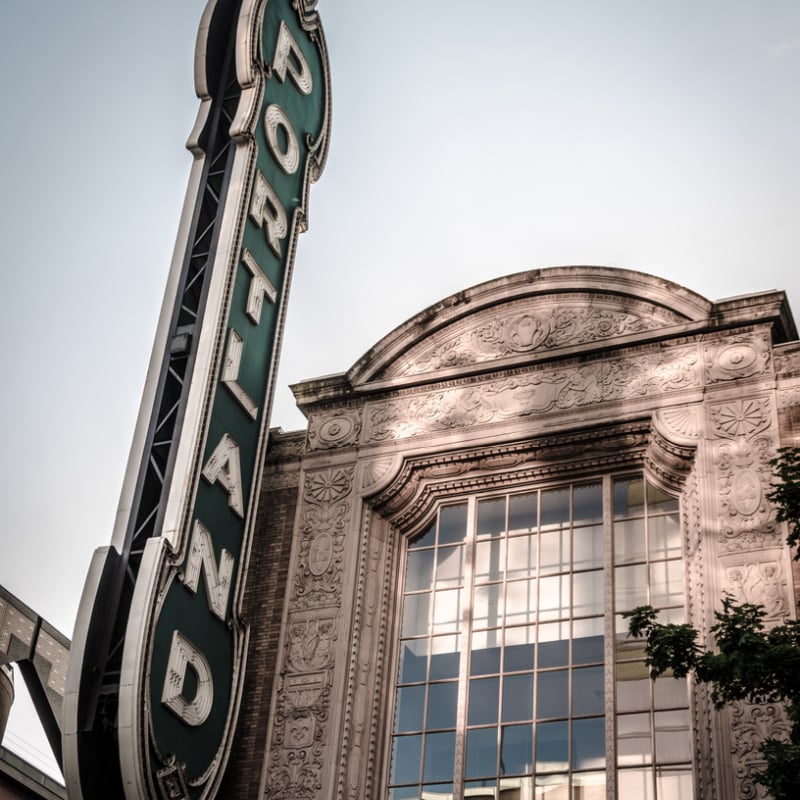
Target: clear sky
[(470, 140)]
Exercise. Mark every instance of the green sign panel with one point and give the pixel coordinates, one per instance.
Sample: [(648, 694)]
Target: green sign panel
[(185, 648)]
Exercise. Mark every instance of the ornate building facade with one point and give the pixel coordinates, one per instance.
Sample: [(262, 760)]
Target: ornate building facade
[(443, 556)]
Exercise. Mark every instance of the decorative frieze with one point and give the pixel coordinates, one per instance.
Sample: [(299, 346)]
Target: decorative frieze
[(739, 357)]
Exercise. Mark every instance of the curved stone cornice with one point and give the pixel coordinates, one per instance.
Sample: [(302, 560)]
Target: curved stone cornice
[(541, 309)]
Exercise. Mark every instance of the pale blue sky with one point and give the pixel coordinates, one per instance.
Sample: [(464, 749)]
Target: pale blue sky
[(470, 140)]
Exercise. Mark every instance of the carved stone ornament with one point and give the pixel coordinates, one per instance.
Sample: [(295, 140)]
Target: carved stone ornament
[(787, 360), (528, 326), (750, 726), (326, 431), (534, 393), (300, 724), (740, 418), (172, 781), (741, 357), (789, 398), (760, 584)]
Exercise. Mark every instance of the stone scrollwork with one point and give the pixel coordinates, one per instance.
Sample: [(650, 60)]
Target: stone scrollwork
[(300, 731)]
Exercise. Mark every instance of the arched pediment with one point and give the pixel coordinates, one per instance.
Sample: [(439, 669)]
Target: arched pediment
[(530, 314)]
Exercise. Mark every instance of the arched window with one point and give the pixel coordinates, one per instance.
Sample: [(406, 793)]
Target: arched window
[(515, 679)]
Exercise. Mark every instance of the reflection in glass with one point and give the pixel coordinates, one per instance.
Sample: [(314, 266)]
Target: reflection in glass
[(588, 641), (520, 602), (551, 787), (447, 611), (419, 571), (589, 786), (442, 705), (450, 566), (552, 746), (633, 739), (521, 556), (666, 582), (410, 709), (658, 501), (665, 537), (587, 503), (636, 783), (670, 692), (489, 560), (554, 597), (675, 783), (554, 645), (404, 793), (487, 610), (516, 749), (483, 700), (445, 657), (630, 587), (554, 551), (416, 614), (522, 512), (453, 524), (517, 698), (633, 694), (552, 694), (555, 507), (587, 547), (588, 743), (484, 660), (628, 497), (437, 791), (673, 741), (406, 759), (519, 649), (427, 539), (481, 752), (588, 691), (485, 789), (587, 593), (440, 751), (491, 517), (413, 660), (629, 541)]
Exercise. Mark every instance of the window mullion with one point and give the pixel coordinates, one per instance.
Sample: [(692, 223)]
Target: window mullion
[(610, 638)]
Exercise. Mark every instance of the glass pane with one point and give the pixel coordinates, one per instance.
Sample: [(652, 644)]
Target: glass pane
[(630, 587), (519, 649), (587, 547), (442, 705), (665, 537), (485, 789), (440, 751), (554, 597), (410, 710), (416, 610), (588, 691), (587, 503), (426, 539), (406, 753), (522, 512), (483, 700), (659, 501), (633, 694), (587, 593), (413, 660), (520, 602), (671, 693), (447, 611), (673, 739), (516, 749), (517, 698), (419, 570), (481, 753), (636, 783), (675, 784), (404, 793), (488, 606), (552, 697), (453, 524), (445, 657), (551, 787), (589, 786), (552, 746), (491, 517), (553, 645), (450, 566), (554, 551), (490, 560), (633, 739), (485, 653), (555, 508), (521, 556), (437, 791), (588, 641), (666, 583), (628, 497), (629, 541), (589, 743)]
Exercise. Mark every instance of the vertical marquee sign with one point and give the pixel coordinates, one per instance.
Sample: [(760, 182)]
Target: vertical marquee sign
[(165, 692)]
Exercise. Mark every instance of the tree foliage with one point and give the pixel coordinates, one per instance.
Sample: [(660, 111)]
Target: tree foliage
[(751, 662)]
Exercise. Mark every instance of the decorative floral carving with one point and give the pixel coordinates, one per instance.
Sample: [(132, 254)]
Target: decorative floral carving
[(534, 393), (738, 358), (750, 725), (740, 418), (333, 430), (528, 326)]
